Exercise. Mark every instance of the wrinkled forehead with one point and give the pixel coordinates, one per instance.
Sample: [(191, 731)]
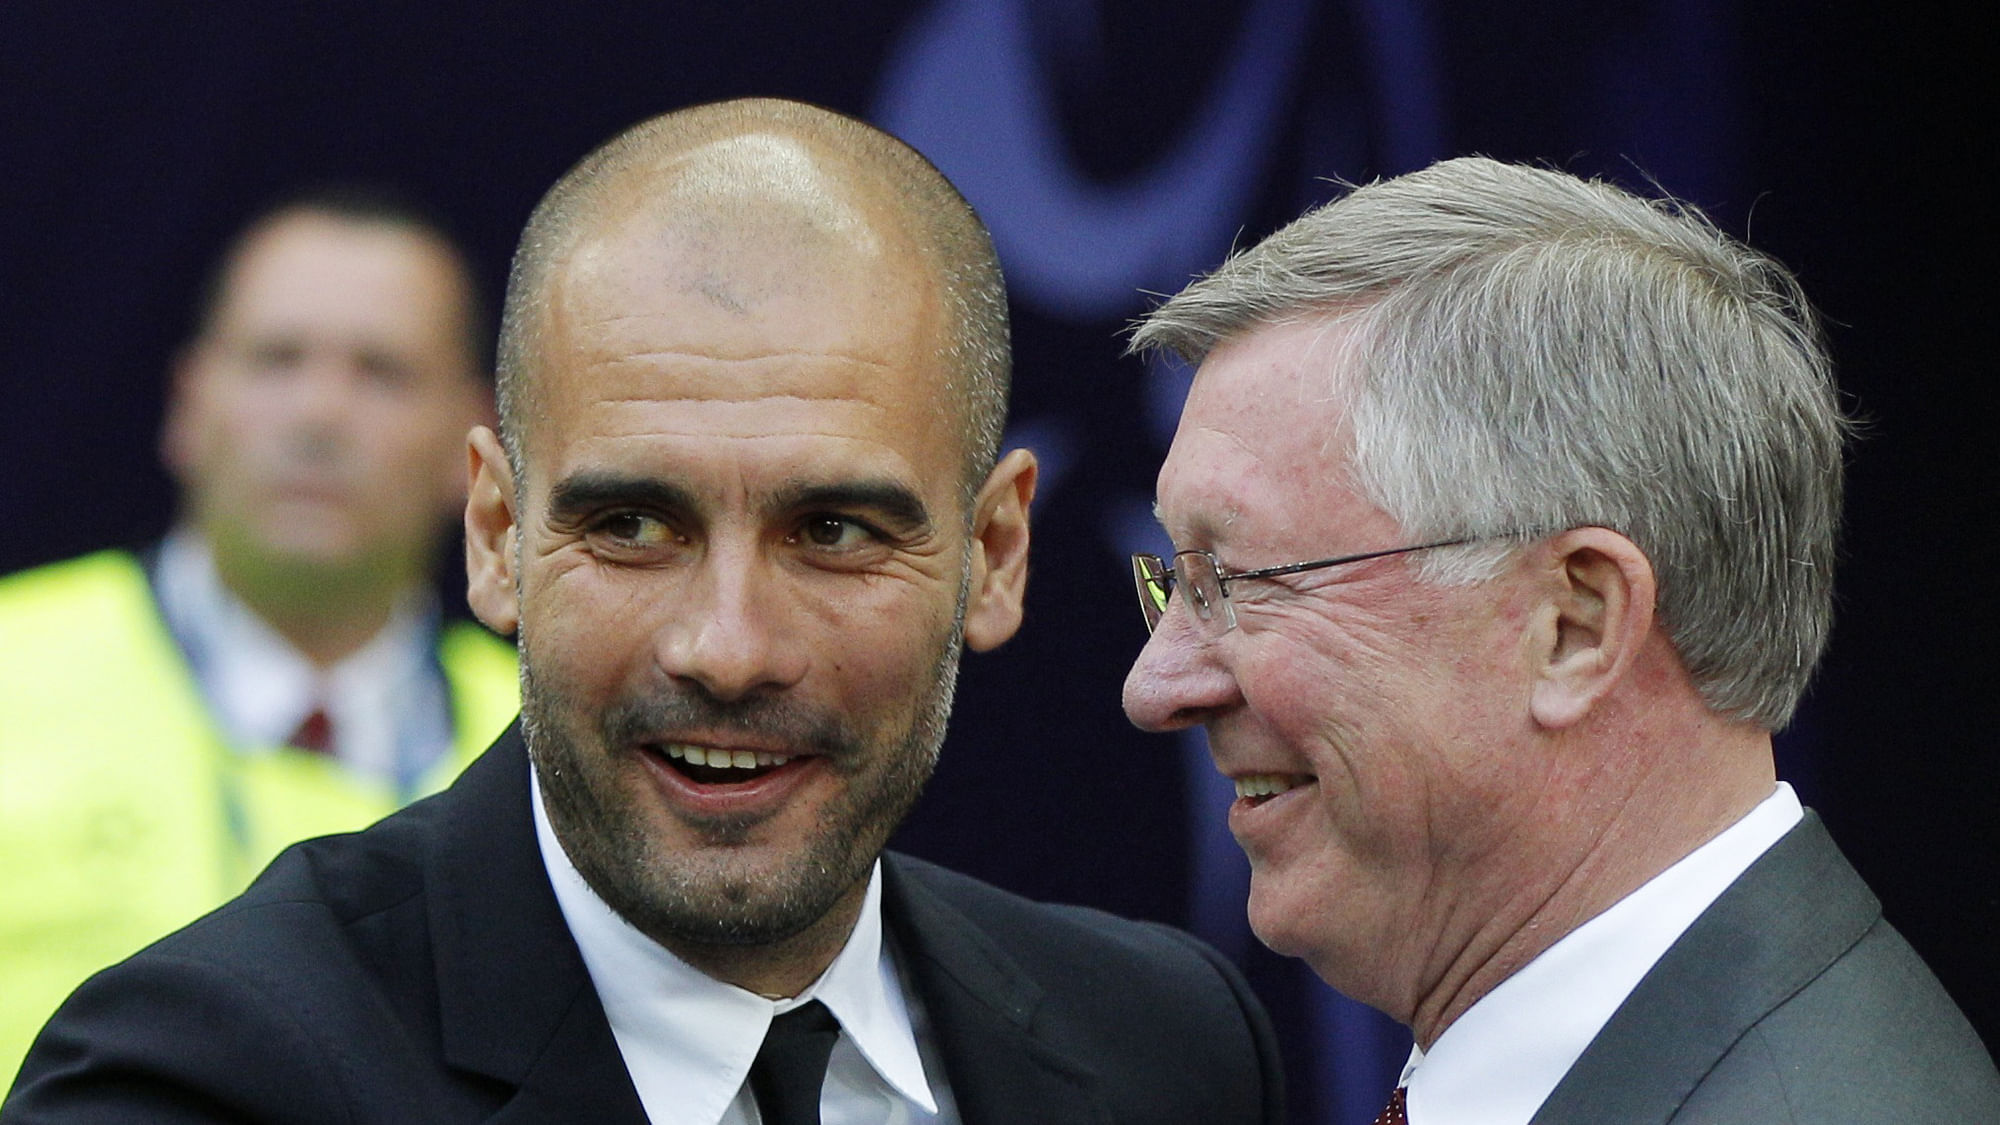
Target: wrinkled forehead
[(1266, 425), (1282, 392), (726, 287), (758, 192), (761, 228)]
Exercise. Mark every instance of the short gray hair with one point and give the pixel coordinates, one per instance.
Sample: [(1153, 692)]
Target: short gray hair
[(1533, 352), (977, 357)]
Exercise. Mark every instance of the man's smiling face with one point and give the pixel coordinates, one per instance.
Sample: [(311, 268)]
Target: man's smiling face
[(1364, 714), (742, 563)]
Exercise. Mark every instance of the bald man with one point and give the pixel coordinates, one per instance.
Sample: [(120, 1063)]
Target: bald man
[(744, 511)]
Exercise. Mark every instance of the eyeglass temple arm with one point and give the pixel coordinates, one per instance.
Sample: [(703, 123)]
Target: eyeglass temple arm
[(1319, 564)]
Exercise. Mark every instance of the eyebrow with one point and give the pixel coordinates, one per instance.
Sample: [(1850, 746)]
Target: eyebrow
[(1200, 528), (592, 490), (894, 501), (589, 491)]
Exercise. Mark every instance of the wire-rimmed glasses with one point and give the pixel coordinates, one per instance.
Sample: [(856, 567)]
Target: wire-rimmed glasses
[(1204, 583)]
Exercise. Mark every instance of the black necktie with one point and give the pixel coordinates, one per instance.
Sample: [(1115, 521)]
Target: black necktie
[(791, 1065)]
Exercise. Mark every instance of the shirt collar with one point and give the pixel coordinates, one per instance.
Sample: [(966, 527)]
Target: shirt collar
[(688, 1039), (261, 688), (1499, 1061)]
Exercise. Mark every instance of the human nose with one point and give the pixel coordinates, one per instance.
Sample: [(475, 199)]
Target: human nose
[(320, 399), (1177, 682), (727, 634)]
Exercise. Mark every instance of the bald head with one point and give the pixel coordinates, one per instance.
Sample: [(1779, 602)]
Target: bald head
[(782, 193)]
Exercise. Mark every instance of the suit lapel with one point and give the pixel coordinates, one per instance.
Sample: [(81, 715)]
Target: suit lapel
[(516, 1003), (1781, 924), (982, 1012)]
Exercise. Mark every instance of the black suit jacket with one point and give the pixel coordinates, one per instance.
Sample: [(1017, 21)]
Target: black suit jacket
[(1789, 1000), (421, 972)]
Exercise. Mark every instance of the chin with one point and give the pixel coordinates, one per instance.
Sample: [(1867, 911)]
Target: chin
[(1278, 926), (329, 547), (1292, 921)]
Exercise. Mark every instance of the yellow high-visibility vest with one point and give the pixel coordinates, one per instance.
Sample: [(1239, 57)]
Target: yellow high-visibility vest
[(124, 814)]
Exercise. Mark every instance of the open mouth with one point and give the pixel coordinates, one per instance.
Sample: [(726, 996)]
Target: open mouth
[(708, 766), (1258, 788)]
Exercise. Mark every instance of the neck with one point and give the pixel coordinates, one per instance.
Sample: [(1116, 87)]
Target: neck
[(1598, 843), (326, 613), (785, 968)]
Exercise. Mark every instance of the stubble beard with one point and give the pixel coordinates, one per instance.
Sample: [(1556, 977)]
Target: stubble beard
[(698, 897)]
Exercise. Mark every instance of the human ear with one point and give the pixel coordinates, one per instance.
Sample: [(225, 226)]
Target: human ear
[(1000, 552), (490, 531), (1601, 592), (471, 405), (180, 436)]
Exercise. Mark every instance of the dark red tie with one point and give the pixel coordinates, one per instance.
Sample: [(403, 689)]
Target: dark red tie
[(315, 733), (1393, 1113)]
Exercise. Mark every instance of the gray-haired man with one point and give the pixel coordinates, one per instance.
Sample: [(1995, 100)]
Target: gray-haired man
[(1504, 506)]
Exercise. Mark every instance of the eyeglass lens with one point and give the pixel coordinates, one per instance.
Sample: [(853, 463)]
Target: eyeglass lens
[(1194, 572), (1155, 584)]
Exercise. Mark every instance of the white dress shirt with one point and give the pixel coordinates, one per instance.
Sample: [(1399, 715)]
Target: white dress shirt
[(388, 703), (1497, 1063), (688, 1039)]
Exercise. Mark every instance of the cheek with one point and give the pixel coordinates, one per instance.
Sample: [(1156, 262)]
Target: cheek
[(878, 647), (237, 449), (1377, 720), (590, 632), (870, 632), (254, 410), (225, 425), (1338, 674)]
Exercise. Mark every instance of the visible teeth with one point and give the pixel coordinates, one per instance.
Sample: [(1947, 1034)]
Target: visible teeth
[(1264, 784), (725, 759)]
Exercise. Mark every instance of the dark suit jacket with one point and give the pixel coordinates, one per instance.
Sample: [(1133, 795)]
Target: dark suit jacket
[(1788, 1000), (421, 972)]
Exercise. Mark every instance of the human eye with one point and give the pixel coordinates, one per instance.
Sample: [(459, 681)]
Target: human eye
[(631, 535), (1251, 591), (265, 358), (835, 533), (1244, 587), (384, 371)]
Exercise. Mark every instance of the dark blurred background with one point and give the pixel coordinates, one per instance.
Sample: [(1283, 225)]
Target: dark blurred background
[(1114, 146)]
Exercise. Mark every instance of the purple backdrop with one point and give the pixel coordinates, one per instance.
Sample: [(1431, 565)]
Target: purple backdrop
[(1114, 147)]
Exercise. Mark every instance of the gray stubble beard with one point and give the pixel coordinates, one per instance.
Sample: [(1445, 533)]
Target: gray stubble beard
[(679, 898)]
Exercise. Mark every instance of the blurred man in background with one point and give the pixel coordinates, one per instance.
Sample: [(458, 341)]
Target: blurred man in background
[(277, 666)]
